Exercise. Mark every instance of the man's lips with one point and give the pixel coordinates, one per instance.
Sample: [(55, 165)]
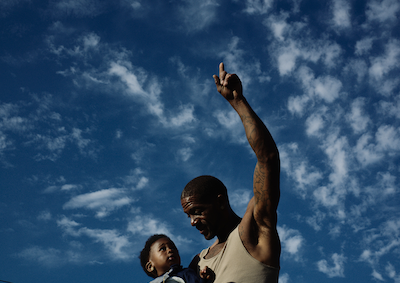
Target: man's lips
[(202, 230)]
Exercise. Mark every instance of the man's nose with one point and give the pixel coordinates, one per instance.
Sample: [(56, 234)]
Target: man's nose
[(193, 220)]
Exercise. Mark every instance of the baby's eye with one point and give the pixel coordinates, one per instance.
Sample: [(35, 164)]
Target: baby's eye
[(163, 249)]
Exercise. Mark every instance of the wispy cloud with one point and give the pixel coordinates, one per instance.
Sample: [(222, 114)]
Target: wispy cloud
[(198, 15), (341, 14), (258, 6), (103, 202), (48, 257), (79, 8), (115, 244), (147, 226), (382, 10), (292, 242), (334, 268)]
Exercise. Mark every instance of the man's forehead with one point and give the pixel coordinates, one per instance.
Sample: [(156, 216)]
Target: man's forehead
[(190, 201)]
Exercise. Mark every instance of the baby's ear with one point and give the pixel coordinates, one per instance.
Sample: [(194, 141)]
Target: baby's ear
[(149, 267)]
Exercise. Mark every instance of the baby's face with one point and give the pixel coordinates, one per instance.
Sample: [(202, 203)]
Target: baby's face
[(163, 254)]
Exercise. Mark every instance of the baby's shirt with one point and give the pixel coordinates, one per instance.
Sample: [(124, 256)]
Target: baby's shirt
[(177, 274)]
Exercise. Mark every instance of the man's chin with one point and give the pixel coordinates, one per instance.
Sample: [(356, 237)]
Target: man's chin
[(209, 236)]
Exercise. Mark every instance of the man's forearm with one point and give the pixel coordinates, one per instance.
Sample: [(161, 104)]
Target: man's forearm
[(257, 133), (266, 174)]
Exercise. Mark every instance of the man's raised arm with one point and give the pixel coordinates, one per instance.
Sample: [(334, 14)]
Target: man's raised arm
[(263, 207)]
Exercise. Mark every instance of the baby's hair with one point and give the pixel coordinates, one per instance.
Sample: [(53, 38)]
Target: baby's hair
[(145, 253)]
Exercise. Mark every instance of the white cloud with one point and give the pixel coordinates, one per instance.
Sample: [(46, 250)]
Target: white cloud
[(299, 169), (337, 150), (258, 6), (315, 221), (117, 245), (380, 242), (327, 196), (388, 138), (198, 15), (44, 216), (336, 269), (314, 124), (133, 81), (278, 25), (184, 116), (375, 274), (136, 179), (284, 278), (305, 177), (357, 117), (382, 65), (287, 59), (239, 199), (330, 53), (358, 67), (185, 153), (103, 202), (364, 45), (10, 121), (54, 145), (80, 8), (297, 104), (91, 40), (341, 14), (69, 187), (147, 226), (327, 88), (366, 152), (134, 84), (292, 242), (288, 49), (231, 122), (48, 257), (391, 272), (382, 10)]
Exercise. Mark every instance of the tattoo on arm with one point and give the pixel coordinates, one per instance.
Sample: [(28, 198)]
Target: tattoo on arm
[(259, 182)]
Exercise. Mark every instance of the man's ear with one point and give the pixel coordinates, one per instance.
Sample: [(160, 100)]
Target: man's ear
[(149, 267), (222, 202)]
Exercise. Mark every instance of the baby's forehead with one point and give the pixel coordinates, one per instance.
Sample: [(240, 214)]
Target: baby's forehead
[(163, 241)]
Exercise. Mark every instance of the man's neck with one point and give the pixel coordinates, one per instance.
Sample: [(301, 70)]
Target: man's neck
[(232, 221)]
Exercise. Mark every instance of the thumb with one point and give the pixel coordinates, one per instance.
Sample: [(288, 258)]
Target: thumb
[(217, 82), (216, 79)]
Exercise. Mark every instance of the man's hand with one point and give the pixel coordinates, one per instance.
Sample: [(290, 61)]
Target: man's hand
[(207, 273), (228, 85)]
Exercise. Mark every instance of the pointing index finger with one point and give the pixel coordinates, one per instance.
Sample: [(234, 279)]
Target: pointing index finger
[(222, 72)]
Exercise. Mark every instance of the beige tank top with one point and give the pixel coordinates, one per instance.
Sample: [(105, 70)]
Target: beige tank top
[(234, 264)]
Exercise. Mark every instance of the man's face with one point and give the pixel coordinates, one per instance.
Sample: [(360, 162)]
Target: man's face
[(163, 254), (203, 216)]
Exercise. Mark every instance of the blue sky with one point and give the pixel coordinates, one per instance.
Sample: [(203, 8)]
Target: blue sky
[(108, 108)]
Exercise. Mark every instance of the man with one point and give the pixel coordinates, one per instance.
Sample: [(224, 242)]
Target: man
[(247, 249)]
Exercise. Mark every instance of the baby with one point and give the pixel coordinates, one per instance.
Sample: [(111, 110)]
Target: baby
[(160, 259)]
